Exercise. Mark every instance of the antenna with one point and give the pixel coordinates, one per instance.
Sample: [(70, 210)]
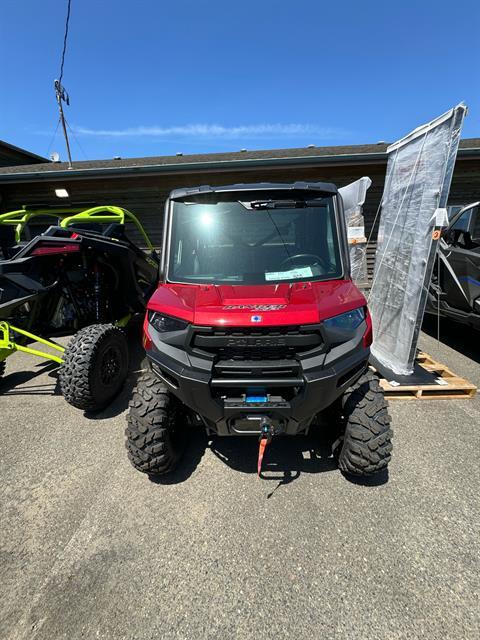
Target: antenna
[(60, 92), (62, 95)]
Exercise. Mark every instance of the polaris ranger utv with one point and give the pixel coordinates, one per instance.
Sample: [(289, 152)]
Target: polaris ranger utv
[(256, 327)]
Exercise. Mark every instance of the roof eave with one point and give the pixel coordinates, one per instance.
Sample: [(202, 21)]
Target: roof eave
[(188, 167), (23, 152), (222, 165)]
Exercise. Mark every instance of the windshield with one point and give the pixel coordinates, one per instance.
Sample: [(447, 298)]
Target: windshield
[(254, 243)]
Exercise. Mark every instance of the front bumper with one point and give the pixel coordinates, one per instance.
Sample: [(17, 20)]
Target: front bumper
[(293, 391)]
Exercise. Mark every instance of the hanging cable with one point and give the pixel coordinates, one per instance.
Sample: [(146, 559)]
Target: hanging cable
[(53, 138), (60, 92), (65, 38), (76, 139)]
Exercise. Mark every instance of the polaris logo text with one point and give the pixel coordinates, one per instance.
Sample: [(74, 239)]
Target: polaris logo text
[(254, 307), (252, 342)]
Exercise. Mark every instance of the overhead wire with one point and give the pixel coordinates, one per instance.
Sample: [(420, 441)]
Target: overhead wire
[(60, 93), (52, 140), (65, 38), (76, 139)]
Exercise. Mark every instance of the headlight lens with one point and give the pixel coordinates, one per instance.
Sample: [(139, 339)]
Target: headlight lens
[(346, 321), (163, 323)]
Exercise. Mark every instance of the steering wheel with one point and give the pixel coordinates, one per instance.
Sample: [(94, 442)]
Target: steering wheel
[(302, 256)]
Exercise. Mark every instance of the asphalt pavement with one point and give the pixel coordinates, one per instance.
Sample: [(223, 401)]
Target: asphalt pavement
[(90, 548)]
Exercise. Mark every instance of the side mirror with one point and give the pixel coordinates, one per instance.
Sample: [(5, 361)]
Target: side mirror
[(475, 226), (448, 234)]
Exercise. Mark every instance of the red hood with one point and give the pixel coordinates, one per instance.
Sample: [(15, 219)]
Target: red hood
[(270, 304)]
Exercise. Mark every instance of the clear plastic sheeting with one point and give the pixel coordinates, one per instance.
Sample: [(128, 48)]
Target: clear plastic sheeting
[(353, 196), (419, 174), (358, 262)]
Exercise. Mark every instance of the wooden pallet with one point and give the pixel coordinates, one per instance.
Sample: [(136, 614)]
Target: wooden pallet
[(452, 387)]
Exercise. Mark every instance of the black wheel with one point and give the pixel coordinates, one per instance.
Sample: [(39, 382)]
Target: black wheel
[(367, 445), (95, 366), (3, 366), (157, 428)]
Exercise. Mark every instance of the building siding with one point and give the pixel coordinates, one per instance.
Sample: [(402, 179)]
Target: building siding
[(145, 195)]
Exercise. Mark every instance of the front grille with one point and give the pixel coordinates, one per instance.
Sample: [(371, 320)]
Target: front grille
[(257, 343), (257, 369)]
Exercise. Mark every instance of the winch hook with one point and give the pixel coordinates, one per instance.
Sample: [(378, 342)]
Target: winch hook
[(266, 435)]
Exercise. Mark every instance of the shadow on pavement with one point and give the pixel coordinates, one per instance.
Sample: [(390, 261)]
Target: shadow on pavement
[(369, 481), (11, 384), (455, 335), (16, 383), (286, 458), (189, 462)]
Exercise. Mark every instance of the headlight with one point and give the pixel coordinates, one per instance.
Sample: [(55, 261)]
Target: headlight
[(346, 321), (163, 323)]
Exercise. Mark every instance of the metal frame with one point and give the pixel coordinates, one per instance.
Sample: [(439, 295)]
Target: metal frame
[(107, 213), (454, 218), (457, 115), (21, 217), (72, 215), (8, 345)]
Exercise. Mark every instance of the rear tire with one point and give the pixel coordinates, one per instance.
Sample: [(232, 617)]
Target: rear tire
[(95, 366), (367, 445), (3, 366), (157, 431)]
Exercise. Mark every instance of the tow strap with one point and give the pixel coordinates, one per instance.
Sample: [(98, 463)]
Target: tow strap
[(265, 438), (261, 451)]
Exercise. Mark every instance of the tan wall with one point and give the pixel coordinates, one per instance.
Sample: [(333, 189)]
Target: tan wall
[(145, 196)]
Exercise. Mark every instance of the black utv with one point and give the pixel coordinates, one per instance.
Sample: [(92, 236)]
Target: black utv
[(455, 287)]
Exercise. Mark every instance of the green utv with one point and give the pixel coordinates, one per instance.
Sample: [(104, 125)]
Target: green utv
[(81, 275)]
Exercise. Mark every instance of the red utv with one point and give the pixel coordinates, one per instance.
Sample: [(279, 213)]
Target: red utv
[(256, 327)]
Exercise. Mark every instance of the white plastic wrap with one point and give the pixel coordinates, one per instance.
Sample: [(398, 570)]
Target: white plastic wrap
[(419, 173), (353, 196)]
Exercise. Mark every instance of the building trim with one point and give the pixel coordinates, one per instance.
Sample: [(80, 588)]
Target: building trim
[(209, 166)]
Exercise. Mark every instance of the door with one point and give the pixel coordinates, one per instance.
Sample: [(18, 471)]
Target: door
[(460, 260)]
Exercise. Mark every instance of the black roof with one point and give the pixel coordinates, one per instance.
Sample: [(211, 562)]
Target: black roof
[(352, 154), (12, 155), (315, 187)]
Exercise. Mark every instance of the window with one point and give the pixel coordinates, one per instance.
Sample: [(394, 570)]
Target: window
[(475, 227), (465, 232), (235, 243), (453, 209), (463, 222)]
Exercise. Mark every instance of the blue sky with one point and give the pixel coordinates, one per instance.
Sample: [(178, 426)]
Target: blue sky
[(149, 77)]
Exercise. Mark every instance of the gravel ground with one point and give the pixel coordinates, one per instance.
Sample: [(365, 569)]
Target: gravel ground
[(90, 548)]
